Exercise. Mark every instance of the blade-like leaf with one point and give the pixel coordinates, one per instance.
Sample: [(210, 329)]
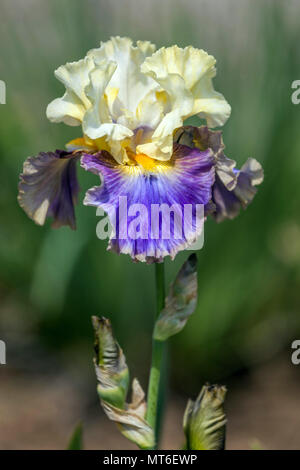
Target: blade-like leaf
[(75, 442), (180, 303)]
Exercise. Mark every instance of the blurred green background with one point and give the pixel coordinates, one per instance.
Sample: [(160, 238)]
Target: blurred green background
[(51, 282)]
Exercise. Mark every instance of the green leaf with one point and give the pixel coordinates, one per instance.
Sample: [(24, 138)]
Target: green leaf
[(180, 303), (76, 442)]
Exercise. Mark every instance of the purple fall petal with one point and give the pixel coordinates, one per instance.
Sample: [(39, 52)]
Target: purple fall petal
[(186, 179), (48, 188), (233, 188)]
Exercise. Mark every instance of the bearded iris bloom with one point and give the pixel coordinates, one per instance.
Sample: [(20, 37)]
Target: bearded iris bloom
[(131, 103)]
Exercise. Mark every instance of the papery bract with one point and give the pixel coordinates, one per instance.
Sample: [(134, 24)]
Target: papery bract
[(113, 381), (204, 421), (110, 364)]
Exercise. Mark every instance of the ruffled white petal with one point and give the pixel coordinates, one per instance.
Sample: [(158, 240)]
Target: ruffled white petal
[(179, 72), (149, 111), (71, 108), (210, 105), (133, 86), (186, 75), (161, 145), (160, 149), (191, 64), (196, 69), (120, 88), (98, 113), (66, 109)]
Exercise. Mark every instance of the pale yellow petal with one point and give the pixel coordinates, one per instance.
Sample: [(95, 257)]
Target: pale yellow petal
[(146, 47), (196, 69), (68, 109), (98, 113), (209, 104), (72, 106), (160, 149), (128, 79), (149, 111)]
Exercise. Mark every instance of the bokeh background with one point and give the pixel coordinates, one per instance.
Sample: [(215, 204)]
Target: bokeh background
[(52, 281)]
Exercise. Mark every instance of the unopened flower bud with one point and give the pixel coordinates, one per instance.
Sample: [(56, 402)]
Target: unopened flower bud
[(204, 421), (180, 303), (110, 364), (113, 382)]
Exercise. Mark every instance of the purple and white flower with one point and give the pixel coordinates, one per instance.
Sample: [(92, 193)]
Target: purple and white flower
[(131, 103)]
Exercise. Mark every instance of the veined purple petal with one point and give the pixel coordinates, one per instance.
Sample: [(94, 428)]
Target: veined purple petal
[(48, 188), (229, 203), (203, 138), (184, 182), (233, 188)]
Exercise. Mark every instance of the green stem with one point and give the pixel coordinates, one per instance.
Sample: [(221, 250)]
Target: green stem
[(157, 353)]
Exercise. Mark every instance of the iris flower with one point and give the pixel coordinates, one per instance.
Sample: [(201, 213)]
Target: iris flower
[(131, 103)]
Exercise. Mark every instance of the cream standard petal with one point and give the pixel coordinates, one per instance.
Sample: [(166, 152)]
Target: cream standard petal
[(120, 88), (210, 105), (131, 84), (196, 68), (98, 113), (149, 111), (97, 121), (161, 145), (71, 108)]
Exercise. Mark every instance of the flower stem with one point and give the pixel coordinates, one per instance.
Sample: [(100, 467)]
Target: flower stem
[(157, 353)]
